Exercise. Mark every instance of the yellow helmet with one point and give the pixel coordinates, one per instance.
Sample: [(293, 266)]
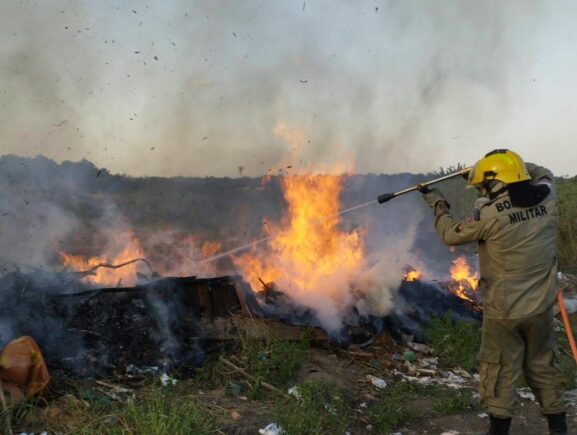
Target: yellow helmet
[(503, 165)]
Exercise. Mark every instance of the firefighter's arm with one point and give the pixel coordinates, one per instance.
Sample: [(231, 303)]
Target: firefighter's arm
[(452, 231), (539, 174)]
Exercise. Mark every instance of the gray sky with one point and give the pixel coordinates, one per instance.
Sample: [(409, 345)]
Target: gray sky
[(203, 87)]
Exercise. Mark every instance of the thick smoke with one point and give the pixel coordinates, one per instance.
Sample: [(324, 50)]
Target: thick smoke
[(379, 283), (197, 89), (267, 86), (32, 224)]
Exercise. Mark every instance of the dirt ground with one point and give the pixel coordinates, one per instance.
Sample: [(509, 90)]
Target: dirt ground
[(527, 421), (350, 374), (348, 370)]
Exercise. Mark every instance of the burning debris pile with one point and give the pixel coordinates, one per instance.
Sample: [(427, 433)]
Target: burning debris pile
[(119, 311), (168, 323)]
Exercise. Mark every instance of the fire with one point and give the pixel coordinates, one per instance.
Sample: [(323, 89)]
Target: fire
[(308, 255), (413, 275), (172, 254), (209, 249), (464, 279), (130, 249)]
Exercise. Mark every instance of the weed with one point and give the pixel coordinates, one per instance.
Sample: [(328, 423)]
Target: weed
[(321, 409), (389, 414), (158, 413), (207, 376), (156, 410), (566, 361), (456, 343), (567, 228), (274, 360)]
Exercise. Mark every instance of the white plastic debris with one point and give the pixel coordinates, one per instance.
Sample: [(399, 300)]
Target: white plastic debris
[(462, 372), (166, 380), (571, 396), (449, 379), (525, 393), (570, 304), (131, 369), (477, 377), (483, 415), (271, 429), (450, 432), (418, 347), (455, 379), (377, 382), (428, 363), (294, 391)]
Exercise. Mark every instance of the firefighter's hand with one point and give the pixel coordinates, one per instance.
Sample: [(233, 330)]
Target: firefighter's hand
[(432, 197), (423, 188)]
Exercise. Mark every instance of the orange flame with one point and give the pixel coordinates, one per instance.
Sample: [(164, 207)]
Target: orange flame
[(309, 249), (209, 249), (126, 275), (464, 279), (413, 275)]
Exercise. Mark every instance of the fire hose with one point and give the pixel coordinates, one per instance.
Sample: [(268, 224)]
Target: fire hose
[(567, 324)]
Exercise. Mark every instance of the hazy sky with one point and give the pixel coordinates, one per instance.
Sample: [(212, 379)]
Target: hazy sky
[(203, 87)]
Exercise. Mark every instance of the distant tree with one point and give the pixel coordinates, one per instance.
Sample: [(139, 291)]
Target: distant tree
[(449, 170), (240, 170)]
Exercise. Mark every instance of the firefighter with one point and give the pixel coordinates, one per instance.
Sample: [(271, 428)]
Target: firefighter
[(514, 223)]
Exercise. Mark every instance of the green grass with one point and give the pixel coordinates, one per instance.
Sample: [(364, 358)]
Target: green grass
[(392, 410), (403, 402), (157, 413), (156, 410), (456, 343), (566, 361), (268, 359), (567, 230), (274, 361), (321, 409)]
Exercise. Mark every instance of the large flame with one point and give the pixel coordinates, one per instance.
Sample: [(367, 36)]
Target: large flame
[(308, 256), (464, 279), (128, 248)]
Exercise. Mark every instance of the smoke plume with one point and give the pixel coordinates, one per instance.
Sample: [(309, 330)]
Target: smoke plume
[(197, 89)]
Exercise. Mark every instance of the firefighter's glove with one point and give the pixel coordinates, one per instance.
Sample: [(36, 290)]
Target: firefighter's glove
[(423, 188), (432, 197), (435, 199)]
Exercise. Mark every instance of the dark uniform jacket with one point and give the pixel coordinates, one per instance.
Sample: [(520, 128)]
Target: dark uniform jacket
[(517, 251)]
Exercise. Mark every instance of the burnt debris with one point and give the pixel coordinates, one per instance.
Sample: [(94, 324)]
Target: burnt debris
[(168, 324)]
